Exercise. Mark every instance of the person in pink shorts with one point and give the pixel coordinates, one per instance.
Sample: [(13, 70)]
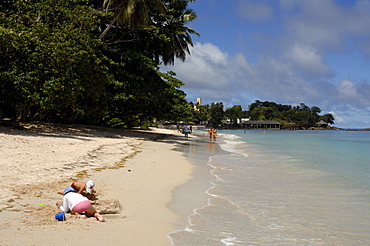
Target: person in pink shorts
[(76, 204)]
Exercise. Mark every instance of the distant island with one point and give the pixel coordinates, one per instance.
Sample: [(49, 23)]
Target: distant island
[(262, 115), (349, 129)]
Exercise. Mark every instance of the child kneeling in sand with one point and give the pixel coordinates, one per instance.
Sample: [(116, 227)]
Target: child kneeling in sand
[(76, 204), (86, 189)]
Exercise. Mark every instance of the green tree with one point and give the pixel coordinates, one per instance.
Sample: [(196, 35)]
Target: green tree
[(217, 114), (54, 70), (136, 91), (133, 13), (203, 113), (173, 37), (328, 118), (259, 113), (234, 113), (164, 38), (175, 106), (263, 110), (300, 115), (254, 105), (314, 115), (57, 69), (139, 93)]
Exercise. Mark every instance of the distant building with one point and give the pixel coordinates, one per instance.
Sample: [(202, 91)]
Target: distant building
[(199, 103), (322, 124), (261, 124), (242, 120)]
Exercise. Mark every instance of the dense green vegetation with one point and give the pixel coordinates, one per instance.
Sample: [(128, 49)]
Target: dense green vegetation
[(287, 115), (93, 61)]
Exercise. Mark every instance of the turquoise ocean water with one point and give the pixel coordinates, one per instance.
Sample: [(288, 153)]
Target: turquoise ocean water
[(281, 188)]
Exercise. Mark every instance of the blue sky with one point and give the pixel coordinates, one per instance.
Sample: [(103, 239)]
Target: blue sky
[(315, 52)]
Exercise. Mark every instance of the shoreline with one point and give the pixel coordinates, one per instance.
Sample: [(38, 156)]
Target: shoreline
[(145, 172)]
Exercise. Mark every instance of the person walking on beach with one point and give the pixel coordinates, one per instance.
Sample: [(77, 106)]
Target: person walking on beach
[(186, 131), (86, 189), (76, 203)]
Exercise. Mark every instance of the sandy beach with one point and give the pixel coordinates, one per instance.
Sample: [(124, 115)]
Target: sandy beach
[(136, 171)]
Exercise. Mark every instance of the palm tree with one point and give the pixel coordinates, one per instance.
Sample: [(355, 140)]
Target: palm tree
[(135, 13), (178, 36), (165, 34)]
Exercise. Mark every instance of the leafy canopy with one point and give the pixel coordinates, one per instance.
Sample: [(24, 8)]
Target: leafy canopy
[(58, 69)]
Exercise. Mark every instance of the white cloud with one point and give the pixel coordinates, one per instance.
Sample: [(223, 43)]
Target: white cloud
[(325, 24), (307, 60), (338, 118), (355, 94), (204, 68), (347, 89), (351, 117), (211, 53), (213, 74)]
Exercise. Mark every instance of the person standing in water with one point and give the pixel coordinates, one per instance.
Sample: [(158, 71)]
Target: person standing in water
[(214, 133), (210, 133)]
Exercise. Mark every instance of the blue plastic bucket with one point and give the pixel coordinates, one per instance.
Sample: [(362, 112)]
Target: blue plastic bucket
[(60, 216)]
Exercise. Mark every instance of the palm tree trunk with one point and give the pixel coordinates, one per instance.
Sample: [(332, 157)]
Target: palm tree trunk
[(110, 24)]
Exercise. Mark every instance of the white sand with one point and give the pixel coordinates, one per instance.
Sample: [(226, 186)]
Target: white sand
[(131, 167)]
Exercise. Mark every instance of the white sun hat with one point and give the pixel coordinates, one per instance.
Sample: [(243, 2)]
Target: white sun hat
[(90, 186)]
